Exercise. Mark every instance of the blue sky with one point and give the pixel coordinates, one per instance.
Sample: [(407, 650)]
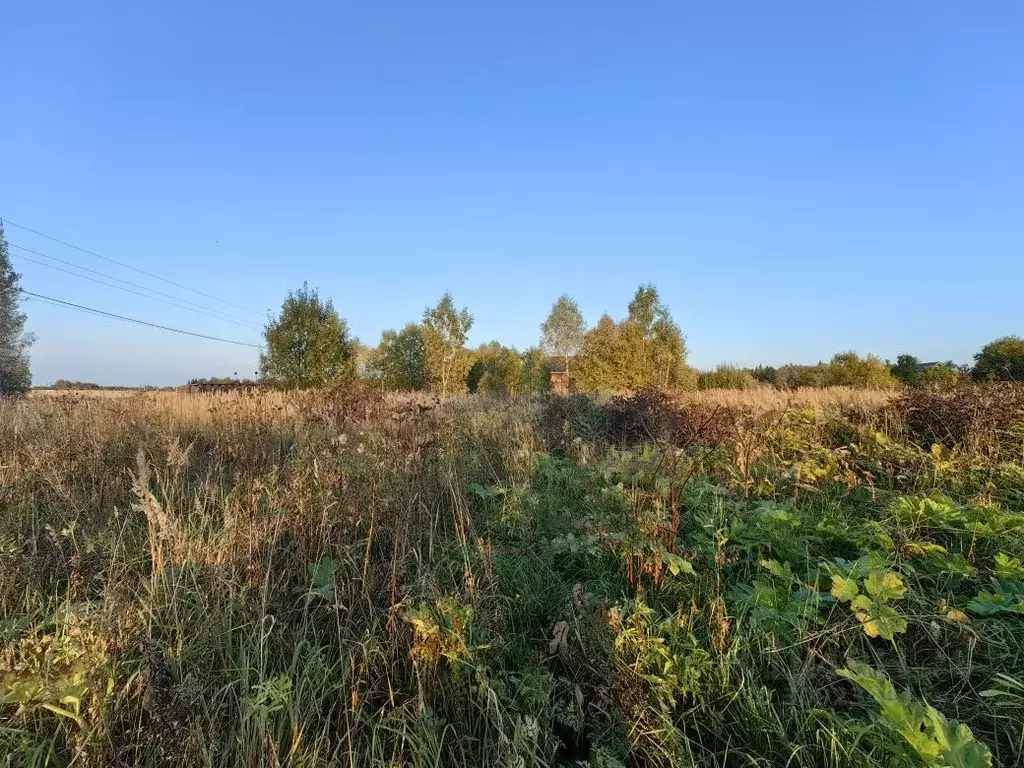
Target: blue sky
[(797, 178)]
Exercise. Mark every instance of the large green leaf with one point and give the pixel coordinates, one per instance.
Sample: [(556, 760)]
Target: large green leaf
[(938, 742), (884, 586), (878, 619), (844, 590)]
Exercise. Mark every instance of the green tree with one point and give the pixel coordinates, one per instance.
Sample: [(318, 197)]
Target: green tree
[(906, 369), (1001, 360), (562, 333), (848, 369), (15, 376), (941, 377), (668, 357), (536, 373), (401, 359), (662, 350), (497, 370), (308, 344), (766, 374), (646, 309), (607, 359), (645, 350), (445, 330)]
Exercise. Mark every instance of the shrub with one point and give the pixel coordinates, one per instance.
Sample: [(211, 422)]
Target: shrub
[(1002, 360), (968, 412), (652, 415), (941, 377), (848, 369), (727, 377)]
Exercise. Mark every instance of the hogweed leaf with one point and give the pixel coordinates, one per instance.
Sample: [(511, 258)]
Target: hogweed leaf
[(940, 743), (883, 621), (322, 578), (884, 585), (677, 564), (844, 590), (775, 568), (1009, 568)]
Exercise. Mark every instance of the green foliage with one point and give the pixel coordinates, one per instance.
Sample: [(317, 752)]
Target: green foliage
[(872, 609), (75, 385), (15, 377), (503, 586), (1008, 567), (536, 372), (60, 666), (1004, 597), (645, 350), (848, 369), (940, 378), (444, 333), (401, 359), (845, 369), (307, 345), (321, 579), (906, 369), (497, 370), (562, 332), (794, 376), (727, 376), (1002, 360), (938, 742)]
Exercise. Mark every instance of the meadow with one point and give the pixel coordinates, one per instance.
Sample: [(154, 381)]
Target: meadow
[(760, 578)]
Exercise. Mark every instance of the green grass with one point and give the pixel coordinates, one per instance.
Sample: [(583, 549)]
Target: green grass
[(265, 581)]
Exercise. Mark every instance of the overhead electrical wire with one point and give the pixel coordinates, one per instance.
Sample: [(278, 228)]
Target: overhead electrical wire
[(129, 266), (136, 293), (91, 310), (154, 291)]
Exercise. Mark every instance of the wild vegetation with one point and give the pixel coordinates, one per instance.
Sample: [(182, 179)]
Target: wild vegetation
[(823, 578), (15, 376)]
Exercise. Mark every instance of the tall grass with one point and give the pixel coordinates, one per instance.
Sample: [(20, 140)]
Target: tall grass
[(302, 580)]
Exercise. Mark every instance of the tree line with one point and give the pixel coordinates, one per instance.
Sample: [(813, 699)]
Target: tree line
[(309, 345)]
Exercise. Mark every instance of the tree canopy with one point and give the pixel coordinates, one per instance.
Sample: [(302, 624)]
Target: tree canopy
[(1000, 360), (906, 369), (308, 344), (401, 359), (647, 349), (562, 332), (15, 376), (445, 330)]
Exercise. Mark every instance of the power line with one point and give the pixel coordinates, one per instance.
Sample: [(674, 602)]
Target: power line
[(71, 305), (126, 282), (129, 266), (136, 293)]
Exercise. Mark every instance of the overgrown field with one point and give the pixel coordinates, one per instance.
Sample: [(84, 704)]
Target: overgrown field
[(337, 579)]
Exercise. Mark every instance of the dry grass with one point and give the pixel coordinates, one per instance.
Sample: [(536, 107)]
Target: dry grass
[(295, 580), (771, 399)]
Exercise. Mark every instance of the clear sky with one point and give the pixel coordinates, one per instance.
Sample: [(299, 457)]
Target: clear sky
[(797, 178)]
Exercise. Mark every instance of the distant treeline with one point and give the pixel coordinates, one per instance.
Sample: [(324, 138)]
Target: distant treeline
[(65, 384), (309, 345)]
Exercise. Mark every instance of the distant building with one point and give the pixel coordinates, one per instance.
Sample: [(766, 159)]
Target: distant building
[(562, 381)]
